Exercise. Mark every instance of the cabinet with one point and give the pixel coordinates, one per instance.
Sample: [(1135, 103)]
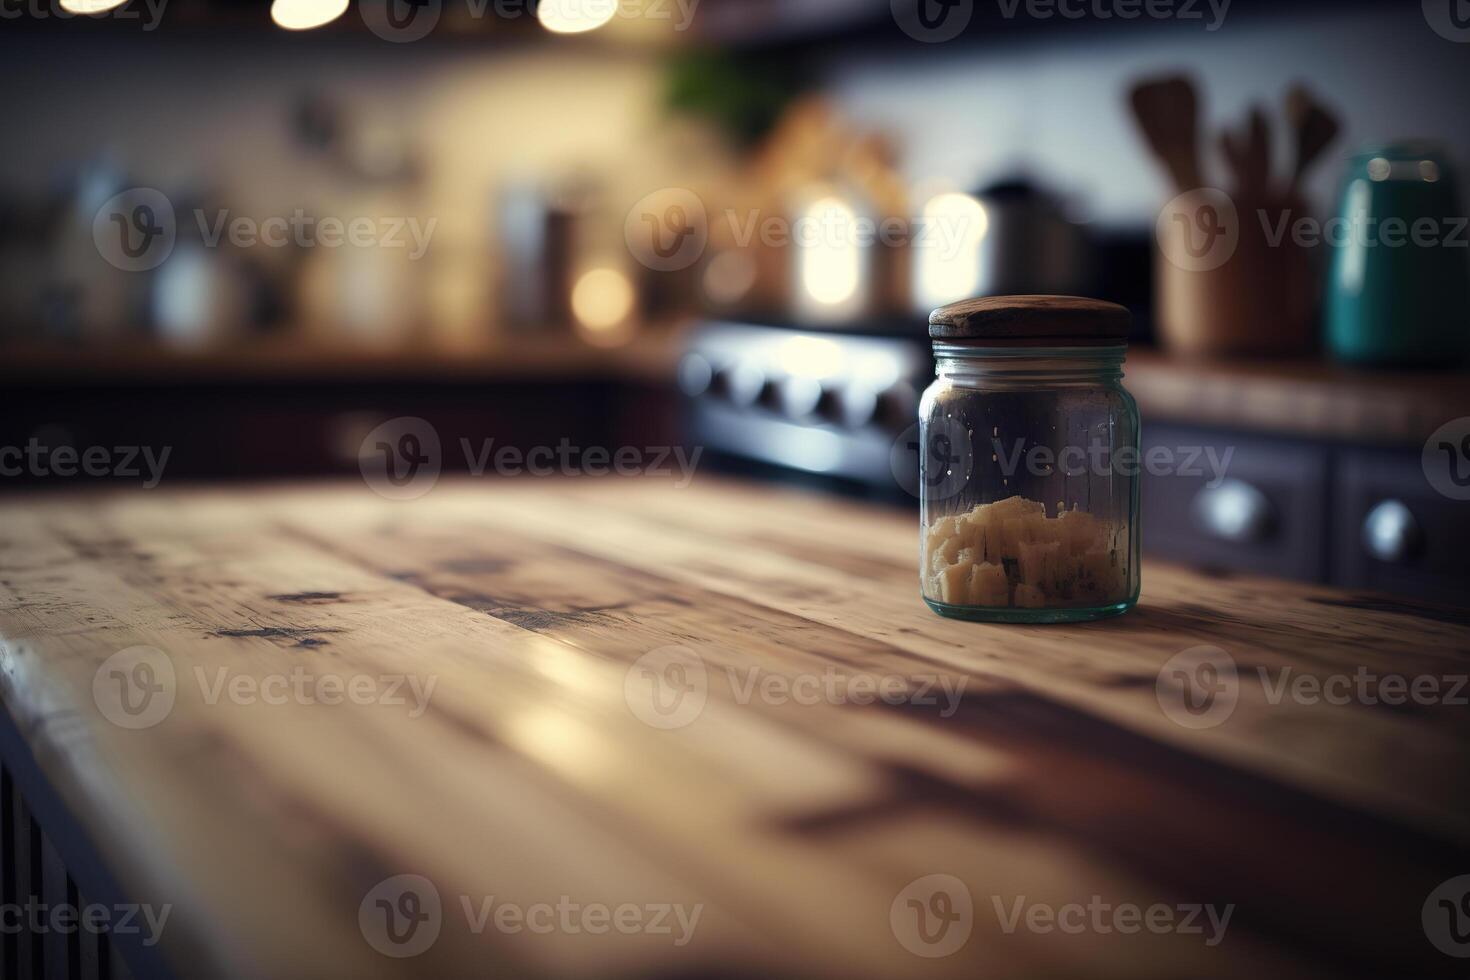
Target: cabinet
[(1308, 510)]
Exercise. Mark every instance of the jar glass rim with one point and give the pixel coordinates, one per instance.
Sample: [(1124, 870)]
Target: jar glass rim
[(945, 349)]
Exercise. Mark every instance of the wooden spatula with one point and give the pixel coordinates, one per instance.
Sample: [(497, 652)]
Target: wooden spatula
[(1249, 155), (1258, 155), (1167, 110), (1233, 150), (1313, 128)]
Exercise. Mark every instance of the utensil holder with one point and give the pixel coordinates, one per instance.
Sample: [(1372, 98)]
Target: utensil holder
[(1221, 293)]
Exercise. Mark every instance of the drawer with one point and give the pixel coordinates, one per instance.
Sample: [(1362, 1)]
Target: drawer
[(1395, 533), (1268, 515)]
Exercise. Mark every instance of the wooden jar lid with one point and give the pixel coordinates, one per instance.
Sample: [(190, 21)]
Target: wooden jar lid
[(1032, 321)]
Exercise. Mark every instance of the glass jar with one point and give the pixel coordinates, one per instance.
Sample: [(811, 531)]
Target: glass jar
[(1029, 464)]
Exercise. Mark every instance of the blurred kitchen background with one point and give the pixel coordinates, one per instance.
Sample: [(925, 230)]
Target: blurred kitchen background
[(577, 194)]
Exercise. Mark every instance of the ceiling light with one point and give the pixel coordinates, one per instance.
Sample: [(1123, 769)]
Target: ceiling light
[(87, 7), (303, 15), (575, 16)]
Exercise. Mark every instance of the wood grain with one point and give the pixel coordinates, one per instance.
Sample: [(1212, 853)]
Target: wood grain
[(1032, 320), (793, 823)]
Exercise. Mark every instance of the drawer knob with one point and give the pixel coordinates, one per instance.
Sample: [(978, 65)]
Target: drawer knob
[(1234, 511), (1391, 534)]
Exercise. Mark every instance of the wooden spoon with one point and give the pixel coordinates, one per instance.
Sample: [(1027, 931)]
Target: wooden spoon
[(1258, 155), (1249, 156), (1313, 127), (1167, 110), (1234, 153)]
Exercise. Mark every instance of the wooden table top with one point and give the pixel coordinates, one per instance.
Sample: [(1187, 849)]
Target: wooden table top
[(623, 728)]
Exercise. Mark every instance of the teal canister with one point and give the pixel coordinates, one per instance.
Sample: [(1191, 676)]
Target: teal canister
[(1399, 287)]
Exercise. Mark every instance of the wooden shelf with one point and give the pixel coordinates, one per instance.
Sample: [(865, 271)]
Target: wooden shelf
[(782, 25), (280, 359), (1305, 397)]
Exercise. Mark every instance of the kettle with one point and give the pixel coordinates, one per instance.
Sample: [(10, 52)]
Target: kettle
[(1399, 288)]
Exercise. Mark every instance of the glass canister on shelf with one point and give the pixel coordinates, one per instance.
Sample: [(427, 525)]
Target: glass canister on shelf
[(1030, 462)]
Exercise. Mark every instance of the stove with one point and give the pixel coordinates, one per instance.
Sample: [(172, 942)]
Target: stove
[(830, 403)]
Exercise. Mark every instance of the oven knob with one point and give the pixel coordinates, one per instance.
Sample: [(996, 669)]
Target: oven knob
[(741, 383), (696, 376), (1234, 511), (800, 398), (856, 406), (1391, 533)]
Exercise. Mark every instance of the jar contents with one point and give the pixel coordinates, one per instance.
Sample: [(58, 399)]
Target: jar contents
[(1011, 554)]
